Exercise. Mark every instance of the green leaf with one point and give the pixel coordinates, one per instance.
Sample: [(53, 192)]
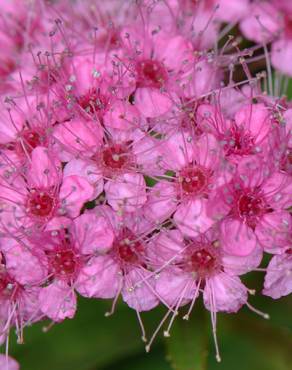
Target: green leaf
[(142, 361), (187, 347), (89, 341), (252, 343)]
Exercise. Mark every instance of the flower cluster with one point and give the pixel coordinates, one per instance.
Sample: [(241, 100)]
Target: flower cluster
[(133, 163)]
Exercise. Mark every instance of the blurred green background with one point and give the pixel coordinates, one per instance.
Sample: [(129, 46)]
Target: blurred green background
[(93, 342)]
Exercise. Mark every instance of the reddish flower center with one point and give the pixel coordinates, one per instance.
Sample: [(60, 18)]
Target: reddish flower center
[(194, 180), (204, 261), (115, 156), (40, 203), (128, 248), (93, 101), (64, 262), (238, 141), (151, 73), (30, 140), (286, 161), (251, 207), (288, 26), (7, 66), (7, 285), (4, 281)]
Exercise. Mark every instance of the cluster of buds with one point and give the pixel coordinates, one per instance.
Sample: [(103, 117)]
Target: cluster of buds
[(134, 162)]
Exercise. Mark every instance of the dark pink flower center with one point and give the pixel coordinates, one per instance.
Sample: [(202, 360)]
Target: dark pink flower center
[(115, 156), (203, 261), (41, 203), (8, 287), (93, 101), (6, 67), (288, 26), (30, 140), (194, 180), (64, 262), (128, 248), (238, 141), (286, 161), (189, 119), (151, 73), (251, 207)]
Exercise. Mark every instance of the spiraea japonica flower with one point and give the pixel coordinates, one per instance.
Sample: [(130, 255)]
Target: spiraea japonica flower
[(143, 158)]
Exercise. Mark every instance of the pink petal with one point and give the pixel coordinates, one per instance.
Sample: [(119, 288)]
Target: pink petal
[(207, 151), (224, 293), (177, 151), (237, 238), (126, 192), (88, 171), (238, 265), (281, 56), (100, 278), (122, 116), (58, 301), (262, 23), (274, 231), (232, 11), (161, 202), (278, 280), (78, 136), (24, 265), (45, 169), (278, 190), (256, 118), (142, 297), (173, 285), (74, 192), (8, 363), (176, 52), (192, 217), (151, 102), (93, 233), (167, 246)]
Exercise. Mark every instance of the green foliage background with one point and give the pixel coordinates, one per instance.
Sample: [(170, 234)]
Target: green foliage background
[(93, 342)]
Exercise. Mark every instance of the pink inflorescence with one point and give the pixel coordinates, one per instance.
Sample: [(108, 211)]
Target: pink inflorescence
[(141, 157)]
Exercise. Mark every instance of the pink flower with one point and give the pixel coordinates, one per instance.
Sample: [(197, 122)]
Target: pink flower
[(123, 266), (40, 194), (186, 268), (113, 164), (198, 173), (248, 132), (257, 199), (163, 63), (20, 275), (67, 259)]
